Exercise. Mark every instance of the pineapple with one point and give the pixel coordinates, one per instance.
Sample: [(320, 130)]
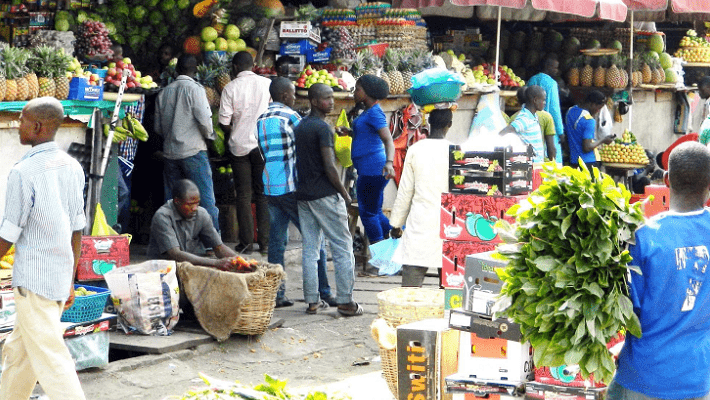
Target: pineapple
[(60, 64), (646, 72), (600, 72), (573, 72), (636, 75), (656, 77), (587, 75), (614, 77), (3, 83), (41, 62), (363, 63), (405, 66), (224, 66), (23, 87), (206, 76), (12, 72), (394, 77)]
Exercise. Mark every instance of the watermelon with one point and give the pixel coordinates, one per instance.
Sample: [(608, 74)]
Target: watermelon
[(593, 44), (553, 40), (572, 45), (671, 76), (665, 60), (655, 43)]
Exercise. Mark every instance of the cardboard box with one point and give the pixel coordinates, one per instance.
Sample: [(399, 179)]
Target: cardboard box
[(481, 282), (79, 89), (453, 263), (470, 218), (495, 359), (497, 161), (541, 391), (474, 388), (299, 30), (8, 313), (511, 183), (453, 298), (426, 353), (101, 254), (491, 396), (296, 48)]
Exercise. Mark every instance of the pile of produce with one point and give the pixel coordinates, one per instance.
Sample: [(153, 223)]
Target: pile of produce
[(82, 291), (31, 73), (135, 80), (229, 41), (624, 150), (693, 48), (310, 76), (92, 40), (271, 389), (130, 127), (485, 74), (565, 282), (396, 67)]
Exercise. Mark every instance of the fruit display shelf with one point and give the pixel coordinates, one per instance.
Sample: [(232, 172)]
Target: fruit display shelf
[(622, 165), (599, 52)]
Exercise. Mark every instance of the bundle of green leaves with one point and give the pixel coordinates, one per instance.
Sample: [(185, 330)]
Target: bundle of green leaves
[(565, 282)]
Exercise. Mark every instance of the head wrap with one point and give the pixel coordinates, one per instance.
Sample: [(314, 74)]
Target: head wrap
[(374, 87)]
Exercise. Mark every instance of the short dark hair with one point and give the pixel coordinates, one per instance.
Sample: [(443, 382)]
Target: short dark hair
[(533, 92), (595, 97), (521, 94), (243, 60), (183, 187), (317, 90), (186, 63), (439, 119), (689, 168), (278, 86)]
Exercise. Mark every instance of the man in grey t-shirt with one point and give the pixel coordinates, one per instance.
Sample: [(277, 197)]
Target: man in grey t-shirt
[(181, 229)]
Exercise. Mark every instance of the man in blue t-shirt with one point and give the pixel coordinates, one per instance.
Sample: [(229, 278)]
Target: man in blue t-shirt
[(579, 129), (672, 358)]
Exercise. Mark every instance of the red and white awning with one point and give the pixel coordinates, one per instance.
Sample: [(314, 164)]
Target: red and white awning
[(678, 6)]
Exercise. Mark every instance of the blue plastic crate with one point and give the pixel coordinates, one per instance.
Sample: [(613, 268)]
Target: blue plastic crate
[(87, 308), (436, 93)]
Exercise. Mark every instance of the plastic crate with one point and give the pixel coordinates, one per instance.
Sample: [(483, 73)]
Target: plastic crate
[(436, 93), (87, 308)]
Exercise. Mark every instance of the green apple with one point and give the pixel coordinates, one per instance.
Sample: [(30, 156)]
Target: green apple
[(138, 74), (112, 65), (126, 60)]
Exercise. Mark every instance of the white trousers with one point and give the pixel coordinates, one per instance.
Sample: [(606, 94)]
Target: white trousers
[(35, 350)]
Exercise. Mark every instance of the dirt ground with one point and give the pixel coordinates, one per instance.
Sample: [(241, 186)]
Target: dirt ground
[(307, 350)]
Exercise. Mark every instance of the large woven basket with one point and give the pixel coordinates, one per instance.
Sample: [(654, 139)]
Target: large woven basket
[(400, 306), (256, 311)]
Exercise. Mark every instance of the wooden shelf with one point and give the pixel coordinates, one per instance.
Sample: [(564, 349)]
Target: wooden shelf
[(697, 64)]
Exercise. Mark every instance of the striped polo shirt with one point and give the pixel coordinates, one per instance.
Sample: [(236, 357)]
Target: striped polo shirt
[(44, 206), (528, 128)]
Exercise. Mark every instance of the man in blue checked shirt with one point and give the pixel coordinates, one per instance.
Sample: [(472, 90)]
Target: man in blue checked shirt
[(277, 143)]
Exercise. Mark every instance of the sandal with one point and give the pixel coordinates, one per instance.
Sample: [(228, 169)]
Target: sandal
[(350, 311), (314, 307)]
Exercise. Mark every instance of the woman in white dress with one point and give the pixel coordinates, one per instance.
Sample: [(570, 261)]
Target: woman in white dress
[(418, 203)]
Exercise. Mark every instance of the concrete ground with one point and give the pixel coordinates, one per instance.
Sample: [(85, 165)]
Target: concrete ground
[(311, 351)]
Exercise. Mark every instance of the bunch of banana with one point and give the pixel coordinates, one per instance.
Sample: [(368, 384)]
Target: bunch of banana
[(8, 259), (130, 127)]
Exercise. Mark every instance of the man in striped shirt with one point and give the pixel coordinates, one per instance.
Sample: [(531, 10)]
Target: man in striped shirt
[(526, 124), (277, 143), (44, 217)]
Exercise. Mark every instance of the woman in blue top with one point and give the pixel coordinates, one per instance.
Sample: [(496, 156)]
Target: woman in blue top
[(372, 154)]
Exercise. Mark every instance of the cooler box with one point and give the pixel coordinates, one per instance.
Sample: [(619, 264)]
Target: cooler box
[(101, 254), (7, 309), (426, 353), (470, 217), (481, 282), (453, 263), (88, 343)]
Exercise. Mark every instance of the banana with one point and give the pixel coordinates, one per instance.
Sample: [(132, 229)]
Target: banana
[(139, 131), (127, 125)]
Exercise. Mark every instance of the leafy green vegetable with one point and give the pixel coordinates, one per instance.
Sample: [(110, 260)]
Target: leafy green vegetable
[(567, 265)]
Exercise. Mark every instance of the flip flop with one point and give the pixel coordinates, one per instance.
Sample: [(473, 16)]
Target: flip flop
[(314, 307), (349, 312)]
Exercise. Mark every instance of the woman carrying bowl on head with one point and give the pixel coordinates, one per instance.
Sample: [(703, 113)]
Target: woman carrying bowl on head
[(372, 154)]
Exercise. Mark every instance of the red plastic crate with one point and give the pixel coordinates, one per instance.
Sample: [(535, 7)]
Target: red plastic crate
[(453, 264), (101, 254), (470, 217)]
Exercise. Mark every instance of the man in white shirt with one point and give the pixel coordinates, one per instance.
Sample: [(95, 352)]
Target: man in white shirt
[(243, 100)]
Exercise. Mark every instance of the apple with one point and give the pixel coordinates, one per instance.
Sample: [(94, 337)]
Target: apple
[(127, 60), (120, 64), (137, 74), (309, 71), (112, 65)]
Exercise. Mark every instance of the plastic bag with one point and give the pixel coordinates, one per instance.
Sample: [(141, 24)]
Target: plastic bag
[(382, 253), (343, 144), (435, 75), (146, 296), (486, 125), (89, 351), (101, 227)]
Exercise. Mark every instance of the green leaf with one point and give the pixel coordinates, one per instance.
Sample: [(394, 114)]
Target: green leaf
[(579, 333), (626, 306), (529, 288), (566, 224), (592, 363), (633, 325), (594, 289), (545, 263), (574, 355)]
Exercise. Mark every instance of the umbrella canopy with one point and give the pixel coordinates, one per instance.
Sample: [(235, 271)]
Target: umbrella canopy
[(606, 9), (678, 6)]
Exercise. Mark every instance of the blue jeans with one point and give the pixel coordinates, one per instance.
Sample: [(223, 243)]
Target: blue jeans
[(282, 210), (370, 192), (618, 392), (327, 216), (197, 169)]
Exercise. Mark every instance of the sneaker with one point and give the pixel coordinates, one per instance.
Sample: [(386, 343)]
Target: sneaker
[(283, 302), (243, 248)]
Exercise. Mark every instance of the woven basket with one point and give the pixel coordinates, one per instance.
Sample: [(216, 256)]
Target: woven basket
[(256, 311), (400, 306)]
